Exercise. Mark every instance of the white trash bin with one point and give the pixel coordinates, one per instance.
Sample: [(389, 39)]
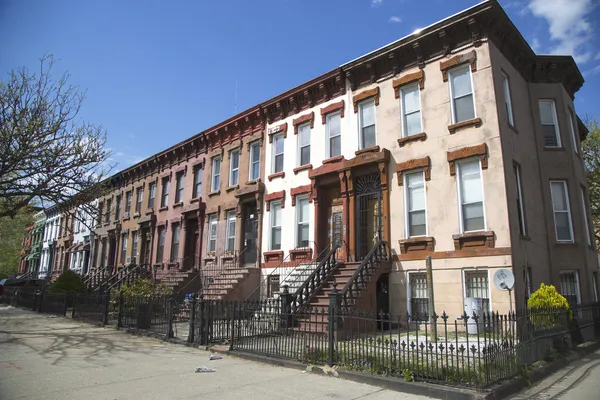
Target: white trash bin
[(474, 305)]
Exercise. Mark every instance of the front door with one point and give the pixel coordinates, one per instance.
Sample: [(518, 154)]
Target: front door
[(368, 213), (190, 243), (250, 234)]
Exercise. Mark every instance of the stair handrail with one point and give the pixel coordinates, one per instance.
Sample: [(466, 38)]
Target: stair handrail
[(90, 277), (362, 273), (128, 273), (315, 281), (315, 260), (280, 265)]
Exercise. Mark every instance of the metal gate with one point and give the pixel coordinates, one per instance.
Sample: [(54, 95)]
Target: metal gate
[(368, 213)]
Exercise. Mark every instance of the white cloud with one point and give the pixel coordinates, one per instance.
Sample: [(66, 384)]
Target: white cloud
[(375, 3), (568, 26), (395, 19), (518, 6)]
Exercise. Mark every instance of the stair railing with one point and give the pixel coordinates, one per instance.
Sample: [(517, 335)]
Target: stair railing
[(363, 274), (315, 281), (128, 275), (280, 268)]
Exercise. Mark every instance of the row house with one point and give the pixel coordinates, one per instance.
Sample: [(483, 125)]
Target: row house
[(26, 250), (51, 228), (80, 249), (37, 239)]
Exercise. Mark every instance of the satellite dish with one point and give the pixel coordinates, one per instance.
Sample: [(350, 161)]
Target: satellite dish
[(504, 279)]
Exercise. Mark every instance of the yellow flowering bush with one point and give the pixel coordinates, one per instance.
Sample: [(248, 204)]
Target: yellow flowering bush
[(547, 305)]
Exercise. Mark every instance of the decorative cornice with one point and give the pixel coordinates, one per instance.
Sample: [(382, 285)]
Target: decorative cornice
[(273, 197), (476, 122), (470, 57), (424, 163), (305, 167), (298, 191), (333, 107), (365, 94), (403, 141), (466, 152), (418, 76), (310, 117), (276, 130)]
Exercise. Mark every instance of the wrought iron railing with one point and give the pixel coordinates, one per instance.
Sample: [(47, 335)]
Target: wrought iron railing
[(315, 281), (362, 275), (128, 275)]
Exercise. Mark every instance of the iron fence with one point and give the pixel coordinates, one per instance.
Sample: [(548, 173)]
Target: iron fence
[(149, 313), (91, 307), (25, 297), (53, 303)]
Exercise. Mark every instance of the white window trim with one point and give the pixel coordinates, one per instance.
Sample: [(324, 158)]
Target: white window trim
[(299, 146), (212, 219), (577, 282), (406, 202), (307, 222), (252, 161), (327, 131), (403, 116), (465, 271), (450, 72), (520, 194), (232, 170), (214, 172), (271, 223), (566, 188), (573, 132), (361, 104), (510, 117), (409, 289), (586, 222), (459, 196), (274, 153), (555, 120), (231, 217)]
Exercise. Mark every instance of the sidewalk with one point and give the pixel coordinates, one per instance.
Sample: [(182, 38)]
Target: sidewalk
[(57, 358)]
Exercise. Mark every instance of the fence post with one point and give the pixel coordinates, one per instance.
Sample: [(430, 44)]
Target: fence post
[(286, 308), (41, 305), (170, 305), (106, 307), (232, 329), (35, 299), (192, 320), (120, 314), (74, 306), (202, 328), (66, 304), (333, 312)]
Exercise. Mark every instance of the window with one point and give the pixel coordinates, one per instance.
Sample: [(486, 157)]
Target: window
[(164, 199), (197, 182), (507, 101), (334, 134), (106, 214), (179, 179), (123, 247), (102, 254), (160, 250), (234, 167), (118, 208), (302, 221), (152, 195), (562, 211), (231, 219), (461, 93), (276, 225), (304, 144), (595, 285), (411, 110), (254, 160), (272, 285), (134, 243), (476, 285), (216, 174), (128, 196), (528, 283), (175, 242), (470, 191), (586, 223), (419, 301), (416, 216), (277, 154), (367, 124), (212, 233), (549, 123), (520, 208), (573, 132), (569, 287)]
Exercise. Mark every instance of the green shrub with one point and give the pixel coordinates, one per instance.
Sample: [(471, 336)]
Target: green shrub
[(144, 288), (547, 305), (68, 282)]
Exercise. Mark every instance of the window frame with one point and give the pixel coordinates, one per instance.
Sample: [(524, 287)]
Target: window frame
[(568, 211), (573, 129), (298, 208), (231, 218), (595, 286), (510, 117), (106, 214), (197, 191), (232, 169), (559, 143), (451, 88), (164, 194), (586, 222), (212, 220), (179, 186), (215, 174), (151, 194), (520, 202), (304, 128), (403, 107), (124, 240), (274, 154), (406, 203), (361, 139), (459, 194), (328, 136), (409, 295), (160, 245), (466, 272), (118, 200), (256, 143), (175, 232), (128, 198), (134, 244), (577, 283), (272, 213), (139, 198)]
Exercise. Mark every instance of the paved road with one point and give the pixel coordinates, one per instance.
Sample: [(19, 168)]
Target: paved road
[(578, 381), (56, 358)]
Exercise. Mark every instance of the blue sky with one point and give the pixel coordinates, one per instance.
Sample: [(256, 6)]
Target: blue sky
[(157, 72)]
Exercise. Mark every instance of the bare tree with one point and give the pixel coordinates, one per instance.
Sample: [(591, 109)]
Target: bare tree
[(47, 153)]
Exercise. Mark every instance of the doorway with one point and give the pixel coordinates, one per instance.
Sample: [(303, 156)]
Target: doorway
[(383, 300), (191, 238), (368, 213), (250, 234)]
